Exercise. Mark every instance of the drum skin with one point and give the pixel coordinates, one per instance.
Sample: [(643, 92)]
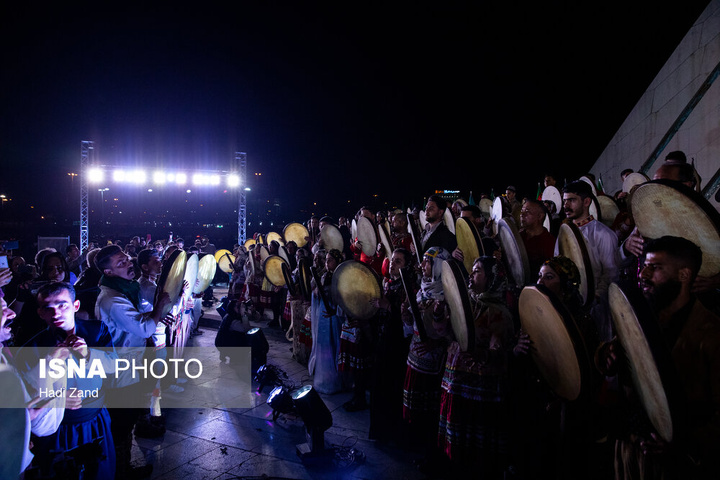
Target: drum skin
[(486, 206), (220, 253), (458, 300), (608, 209), (272, 267), (661, 207), (207, 266), (415, 236), (553, 194), (549, 327), (171, 278), (274, 236), (354, 287), (191, 274), (634, 179), (573, 245), (468, 241), (448, 220), (332, 238), (296, 232), (384, 235), (643, 368), (226, 261), (366, 234), (514, 253)]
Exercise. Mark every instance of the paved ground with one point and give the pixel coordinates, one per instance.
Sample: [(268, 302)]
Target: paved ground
[(217, 443)]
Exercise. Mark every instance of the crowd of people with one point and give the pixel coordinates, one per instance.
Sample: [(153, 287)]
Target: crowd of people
[(473, 399), (74, 304)]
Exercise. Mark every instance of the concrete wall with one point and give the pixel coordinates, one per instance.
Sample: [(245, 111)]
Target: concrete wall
[(666, 97)]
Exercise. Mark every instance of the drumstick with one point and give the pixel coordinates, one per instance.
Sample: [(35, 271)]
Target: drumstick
[(324, 299), (414, 309)]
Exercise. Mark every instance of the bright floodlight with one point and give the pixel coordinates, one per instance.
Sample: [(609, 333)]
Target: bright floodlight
[(180, 178), (139, 177), (95, 175), (199, 179), (233, 180), (158, 178), (119, 176), (214, 179)]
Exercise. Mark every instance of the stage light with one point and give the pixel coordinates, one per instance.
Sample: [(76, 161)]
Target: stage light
[(180, 178), (259, 345), (199, 179), (280, 401), (159, 178), (95, 175), (119, 176), (317, 419), (138, 176), (233, 180), (214, 180)]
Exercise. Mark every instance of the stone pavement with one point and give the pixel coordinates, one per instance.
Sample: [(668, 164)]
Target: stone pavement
[(231, 443)]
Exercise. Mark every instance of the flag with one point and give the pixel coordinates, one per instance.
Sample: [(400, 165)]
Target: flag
[(471, 200), (600, 186), (539, 192)]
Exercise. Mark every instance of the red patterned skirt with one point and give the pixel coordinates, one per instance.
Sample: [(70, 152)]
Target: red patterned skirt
[(473, 431), (354, 349), (421, 397)]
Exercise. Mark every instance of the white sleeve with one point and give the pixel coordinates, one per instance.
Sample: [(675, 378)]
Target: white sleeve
[(128, 319)]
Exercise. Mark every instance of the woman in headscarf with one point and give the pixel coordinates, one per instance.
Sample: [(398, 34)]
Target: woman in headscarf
[(474, 419), (561, 426), (425, 361)]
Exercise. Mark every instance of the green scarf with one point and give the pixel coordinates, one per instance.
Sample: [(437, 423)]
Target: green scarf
[(129, 288)]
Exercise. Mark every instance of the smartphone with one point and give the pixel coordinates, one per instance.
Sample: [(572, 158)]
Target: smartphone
[(4, 261)]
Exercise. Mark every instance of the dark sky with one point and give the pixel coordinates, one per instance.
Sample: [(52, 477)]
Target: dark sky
[(331, 103)]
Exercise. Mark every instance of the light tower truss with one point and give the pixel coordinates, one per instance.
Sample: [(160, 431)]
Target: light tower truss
[(241, 165), (86, 150)]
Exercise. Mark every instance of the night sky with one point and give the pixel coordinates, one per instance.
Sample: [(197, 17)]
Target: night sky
[(331, 103)]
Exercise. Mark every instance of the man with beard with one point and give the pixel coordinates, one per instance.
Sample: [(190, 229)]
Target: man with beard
[(436, 234), (603, 245), (692, 334)]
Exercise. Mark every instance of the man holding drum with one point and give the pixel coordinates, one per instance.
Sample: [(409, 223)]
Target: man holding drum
[(602, 244), (691, 333)]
